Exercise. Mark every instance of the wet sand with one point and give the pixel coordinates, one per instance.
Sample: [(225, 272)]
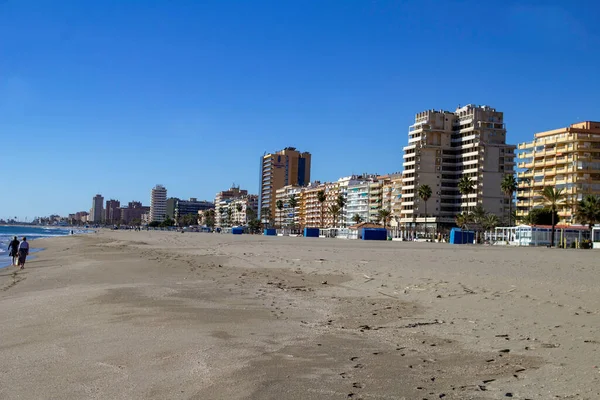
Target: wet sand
[(161, 315)]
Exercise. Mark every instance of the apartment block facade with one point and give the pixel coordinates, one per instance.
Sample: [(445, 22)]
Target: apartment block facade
[(112, 212), (96, 212), (444, 146), (288, 216), (133, 212), (565, 158), (158, 204), (222, 200), (283, 168), (243, 209)]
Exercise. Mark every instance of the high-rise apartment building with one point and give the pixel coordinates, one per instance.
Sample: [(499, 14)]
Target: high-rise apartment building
[(283, 168), (158, 204), (444, 146), (566, 158), (96, 211), (112, 212)]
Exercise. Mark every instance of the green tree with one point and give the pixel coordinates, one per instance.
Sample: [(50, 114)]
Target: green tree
[(540, 216), (553, 198), (279, 205), (334, 210), (490, 222), (239, 209), (293, 203), (463, 220), (250, 214), (167, 223), (154, 224), (265, 215), (229, 215), (341, 203), (424, 193), (384, 216), (321, 197), (357, 219), (509, 187), (466, 186), (588, 211)]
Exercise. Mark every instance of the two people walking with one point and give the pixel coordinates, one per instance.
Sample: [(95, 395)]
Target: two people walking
[(19, 251)]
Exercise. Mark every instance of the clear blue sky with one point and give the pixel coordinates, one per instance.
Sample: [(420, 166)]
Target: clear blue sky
[(114, 97)]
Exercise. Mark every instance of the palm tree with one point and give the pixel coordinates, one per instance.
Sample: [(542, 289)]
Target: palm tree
[(265, 215), (293, 203), (321, 197), (463, 220), (334, 210), (384, 215), (553, 198), (239, 209), (509, 187), (341, 202), (229, 214), (357, 219), (279, 205), (490, 222), (588, 211), (424, 193), (466, 186)]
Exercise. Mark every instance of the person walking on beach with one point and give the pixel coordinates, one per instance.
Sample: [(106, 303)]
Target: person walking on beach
[(13, 248), (23, 252)]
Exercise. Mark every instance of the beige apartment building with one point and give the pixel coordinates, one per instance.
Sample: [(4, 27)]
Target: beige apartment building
[(222, 200), (310, 208), (566, 158), (288, 216), (243, 209), (283, 168), (442, 147)]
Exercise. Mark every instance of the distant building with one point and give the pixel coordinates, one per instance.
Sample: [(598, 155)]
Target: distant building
[(288, 216), (191, 206), (112, 212), (158, 204), (222, 199), (133, 212), (243, 209), (283, 168), (96, 211)]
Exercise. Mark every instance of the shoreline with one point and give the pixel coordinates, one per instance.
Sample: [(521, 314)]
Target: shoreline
[(154, 315)]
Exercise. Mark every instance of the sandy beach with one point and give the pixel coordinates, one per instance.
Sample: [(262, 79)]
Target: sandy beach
[(164, 315)]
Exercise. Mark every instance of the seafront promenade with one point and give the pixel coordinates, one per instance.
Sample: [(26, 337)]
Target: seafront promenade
[(165, 315)]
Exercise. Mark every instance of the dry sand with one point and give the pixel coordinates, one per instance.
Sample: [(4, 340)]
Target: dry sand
[(161, 315)]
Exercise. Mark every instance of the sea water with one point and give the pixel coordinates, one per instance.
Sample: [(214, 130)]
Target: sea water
[(30, 232)]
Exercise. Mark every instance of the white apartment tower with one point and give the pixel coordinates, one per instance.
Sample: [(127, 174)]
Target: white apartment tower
[(96, 212), (444, 146), (158, 203)]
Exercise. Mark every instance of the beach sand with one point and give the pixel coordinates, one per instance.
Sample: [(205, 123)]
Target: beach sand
[(164, 315)]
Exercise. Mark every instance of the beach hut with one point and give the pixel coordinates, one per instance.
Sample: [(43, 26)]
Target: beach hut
[(311, 232), (458, 236), (270, 232), (374, 234), (238, 230)]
